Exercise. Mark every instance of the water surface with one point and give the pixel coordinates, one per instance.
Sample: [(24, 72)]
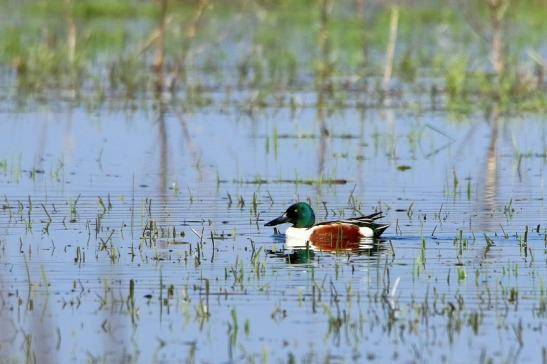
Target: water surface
[(109, 219)]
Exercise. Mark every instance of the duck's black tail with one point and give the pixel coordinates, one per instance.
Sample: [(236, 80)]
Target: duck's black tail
[(379, 229)]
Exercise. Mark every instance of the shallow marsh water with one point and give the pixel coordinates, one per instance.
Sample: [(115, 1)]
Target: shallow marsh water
[(122, 265), (137, 175)]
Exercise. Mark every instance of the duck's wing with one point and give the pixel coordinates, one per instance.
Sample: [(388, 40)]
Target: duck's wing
[(361, 221)]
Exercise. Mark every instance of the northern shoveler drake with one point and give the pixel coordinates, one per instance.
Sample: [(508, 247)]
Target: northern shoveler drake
[(327, 233)]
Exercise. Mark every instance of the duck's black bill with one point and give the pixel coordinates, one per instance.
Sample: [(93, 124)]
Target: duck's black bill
[(280, 220)]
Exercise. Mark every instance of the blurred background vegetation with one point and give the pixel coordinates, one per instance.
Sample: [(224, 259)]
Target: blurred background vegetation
[(455, 54)]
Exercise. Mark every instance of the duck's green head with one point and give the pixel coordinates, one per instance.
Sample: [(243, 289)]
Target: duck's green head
[(300, 215)]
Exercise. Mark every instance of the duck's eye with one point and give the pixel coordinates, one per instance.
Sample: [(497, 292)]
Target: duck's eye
[(295, 210)]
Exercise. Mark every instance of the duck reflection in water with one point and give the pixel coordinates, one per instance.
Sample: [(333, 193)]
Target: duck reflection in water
[(296, 253)]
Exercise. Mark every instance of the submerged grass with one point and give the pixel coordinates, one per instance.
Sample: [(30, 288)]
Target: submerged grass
[(208, 283)]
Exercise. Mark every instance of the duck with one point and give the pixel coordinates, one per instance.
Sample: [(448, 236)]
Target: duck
[(327, 233)]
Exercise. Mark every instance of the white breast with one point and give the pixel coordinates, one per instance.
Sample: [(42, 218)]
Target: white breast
[(296, 238), (299, 233)]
